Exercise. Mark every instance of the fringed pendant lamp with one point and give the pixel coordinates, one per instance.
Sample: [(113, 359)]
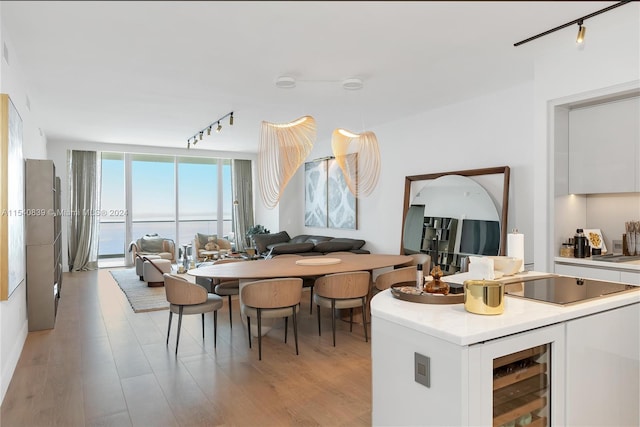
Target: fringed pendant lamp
[(282, 149), (358, 156)]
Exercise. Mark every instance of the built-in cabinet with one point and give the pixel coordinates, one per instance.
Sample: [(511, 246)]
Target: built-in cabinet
[(582, 371), (43, 243), (597, 272), (602, 379), (604, 147)]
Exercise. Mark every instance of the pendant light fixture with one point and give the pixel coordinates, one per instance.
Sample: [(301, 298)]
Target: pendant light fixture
[(281, 151), (358, 155)]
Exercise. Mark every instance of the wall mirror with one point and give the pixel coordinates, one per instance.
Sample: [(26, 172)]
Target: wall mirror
[(449, 215)]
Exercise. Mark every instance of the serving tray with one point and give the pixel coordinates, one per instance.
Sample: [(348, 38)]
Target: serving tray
[(406, 291)]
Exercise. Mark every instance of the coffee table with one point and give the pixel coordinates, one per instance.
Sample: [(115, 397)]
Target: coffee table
[(209, 255)]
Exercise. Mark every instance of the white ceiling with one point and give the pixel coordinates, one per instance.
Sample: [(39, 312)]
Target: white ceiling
[(155, 73)]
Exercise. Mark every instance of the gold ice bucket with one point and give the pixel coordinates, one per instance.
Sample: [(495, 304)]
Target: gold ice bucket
[(483, 296)]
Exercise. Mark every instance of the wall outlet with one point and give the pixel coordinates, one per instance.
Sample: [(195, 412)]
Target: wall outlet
[(422, 369)]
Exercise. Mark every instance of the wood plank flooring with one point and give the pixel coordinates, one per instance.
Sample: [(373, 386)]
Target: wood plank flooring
[(104, 365)]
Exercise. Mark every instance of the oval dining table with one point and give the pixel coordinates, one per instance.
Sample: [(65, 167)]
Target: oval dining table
[(285, 266)]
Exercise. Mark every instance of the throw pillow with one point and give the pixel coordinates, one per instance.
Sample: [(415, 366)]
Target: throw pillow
[(151, 243), (203, 239), (211, 246)]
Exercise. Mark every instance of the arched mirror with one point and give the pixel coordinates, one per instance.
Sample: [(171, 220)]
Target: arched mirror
[(449, 215)]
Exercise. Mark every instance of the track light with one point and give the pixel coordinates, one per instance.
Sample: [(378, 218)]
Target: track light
[(579, 21), (581, 31), (200, 134)]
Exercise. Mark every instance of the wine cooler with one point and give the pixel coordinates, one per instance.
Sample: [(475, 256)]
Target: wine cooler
[(521, 391)]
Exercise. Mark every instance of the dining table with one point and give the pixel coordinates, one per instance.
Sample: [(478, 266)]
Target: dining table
[(295, 266)]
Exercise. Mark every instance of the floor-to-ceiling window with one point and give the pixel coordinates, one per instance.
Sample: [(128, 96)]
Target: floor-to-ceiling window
[(175, 197), (153, 195), (112, 200)]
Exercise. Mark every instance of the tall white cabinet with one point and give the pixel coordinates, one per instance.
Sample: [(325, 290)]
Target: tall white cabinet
[(43, 243)]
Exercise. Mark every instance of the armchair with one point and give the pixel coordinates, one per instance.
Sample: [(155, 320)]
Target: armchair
[(152, 244), (202, 242)]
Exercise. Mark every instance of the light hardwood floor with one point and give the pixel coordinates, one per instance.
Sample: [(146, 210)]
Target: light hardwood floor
[(104, 365)]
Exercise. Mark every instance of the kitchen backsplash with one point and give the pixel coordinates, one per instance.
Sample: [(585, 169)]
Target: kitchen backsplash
[(607, 212)]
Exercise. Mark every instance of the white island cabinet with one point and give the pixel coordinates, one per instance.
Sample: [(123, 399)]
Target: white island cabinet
[(537, 363)]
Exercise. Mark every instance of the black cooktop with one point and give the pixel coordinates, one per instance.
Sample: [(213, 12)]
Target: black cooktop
[(565, 290)]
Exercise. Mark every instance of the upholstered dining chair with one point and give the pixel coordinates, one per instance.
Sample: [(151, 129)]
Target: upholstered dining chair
[(391, 277), (185, 297), (226, 288), (272, 298), (420, 258), (307, 282), (343, 290)]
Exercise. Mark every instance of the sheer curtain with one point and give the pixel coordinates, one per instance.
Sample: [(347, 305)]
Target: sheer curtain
[(242, 201), (84, 197)]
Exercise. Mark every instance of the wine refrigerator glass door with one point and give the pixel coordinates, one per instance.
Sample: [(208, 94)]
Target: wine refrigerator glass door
[(519, 379)]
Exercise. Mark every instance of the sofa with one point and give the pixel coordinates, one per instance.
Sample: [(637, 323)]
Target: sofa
[(274, 244)]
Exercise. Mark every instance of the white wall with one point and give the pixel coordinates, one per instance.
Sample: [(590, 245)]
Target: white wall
[(492, 130), (610, 59), (13, 312)]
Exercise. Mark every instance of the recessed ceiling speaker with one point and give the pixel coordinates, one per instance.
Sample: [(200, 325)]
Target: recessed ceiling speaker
[(286, 82), (352, 84)]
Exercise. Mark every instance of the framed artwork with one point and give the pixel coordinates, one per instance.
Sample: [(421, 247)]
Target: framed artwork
[(315, 193), (328, 201), (596, 241), (342, 212), (12, 248)]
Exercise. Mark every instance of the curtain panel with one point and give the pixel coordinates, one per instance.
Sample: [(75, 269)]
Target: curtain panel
[(242, 201), (84, 198)]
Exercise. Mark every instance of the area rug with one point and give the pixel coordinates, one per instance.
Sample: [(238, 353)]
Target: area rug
[(141, 297)]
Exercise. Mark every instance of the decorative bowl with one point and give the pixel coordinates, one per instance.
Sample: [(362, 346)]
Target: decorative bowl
[(506, 264)]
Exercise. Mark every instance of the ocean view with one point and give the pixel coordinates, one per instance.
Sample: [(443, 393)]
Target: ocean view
[(112, 234)]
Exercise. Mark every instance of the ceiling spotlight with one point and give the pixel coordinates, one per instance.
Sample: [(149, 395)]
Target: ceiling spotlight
[(286, 82), (352, 84), (188, 143), (581, 31), (219, 128), (209, 131), (231, 119), (201, 135)]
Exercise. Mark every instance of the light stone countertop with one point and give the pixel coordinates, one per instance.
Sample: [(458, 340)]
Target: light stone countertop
[(454, 324), (588, 262)]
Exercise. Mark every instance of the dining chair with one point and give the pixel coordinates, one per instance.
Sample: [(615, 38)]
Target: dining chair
[(343, 290), (388, 278), (226, 287), (271, 298), (420, 258), (307, 282), (185, 297)]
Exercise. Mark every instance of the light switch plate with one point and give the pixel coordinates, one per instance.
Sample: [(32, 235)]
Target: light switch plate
[(422, 369)]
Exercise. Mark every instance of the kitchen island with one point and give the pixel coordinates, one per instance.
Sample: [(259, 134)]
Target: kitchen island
[(591, 366)]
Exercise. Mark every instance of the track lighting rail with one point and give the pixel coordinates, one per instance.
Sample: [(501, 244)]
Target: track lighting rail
[(193, 140), (578, 21)]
